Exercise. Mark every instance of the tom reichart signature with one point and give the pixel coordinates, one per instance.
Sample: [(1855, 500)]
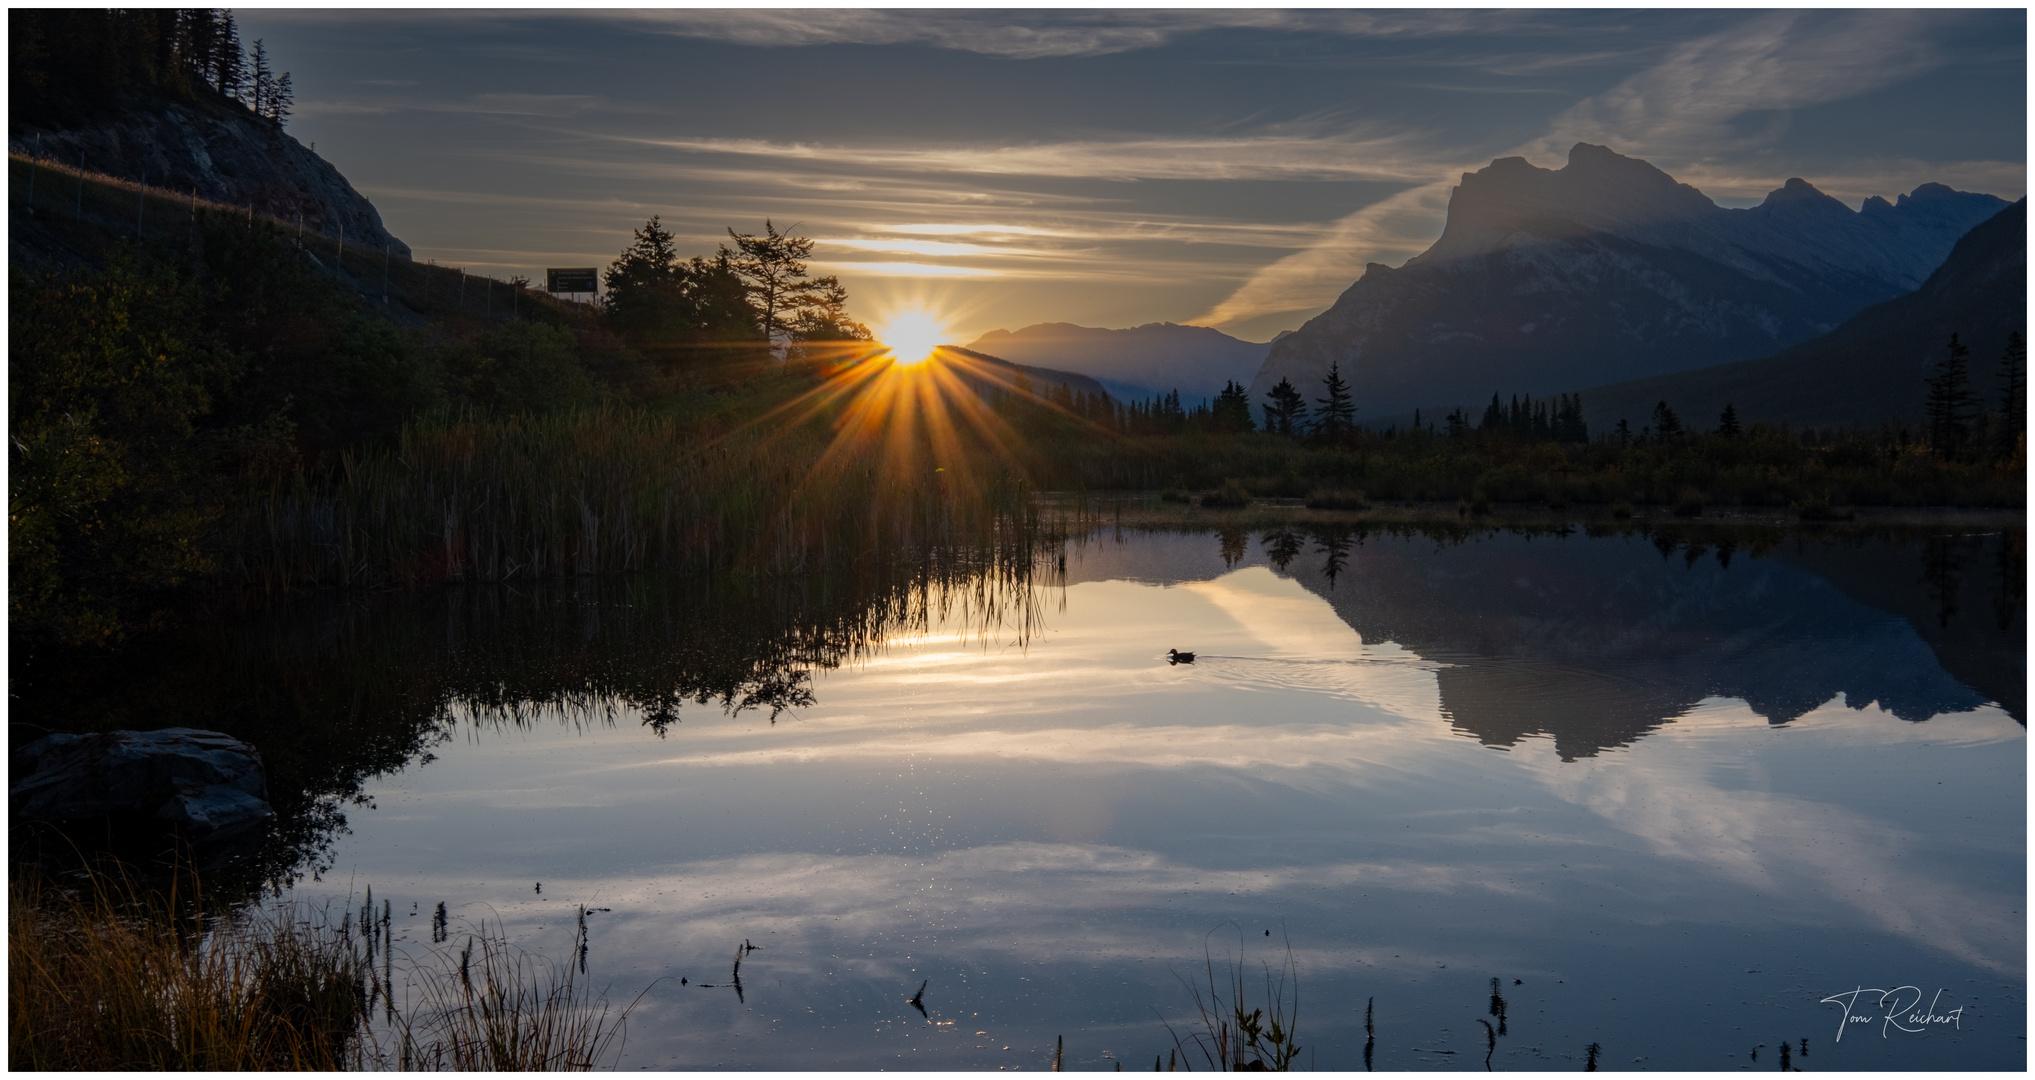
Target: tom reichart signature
[(1899, 1010)]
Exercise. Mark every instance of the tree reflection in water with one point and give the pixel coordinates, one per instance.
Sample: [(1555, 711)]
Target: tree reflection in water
[(336, 689)]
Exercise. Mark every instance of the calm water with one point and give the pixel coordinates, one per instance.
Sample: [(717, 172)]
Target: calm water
[(1671, 791)]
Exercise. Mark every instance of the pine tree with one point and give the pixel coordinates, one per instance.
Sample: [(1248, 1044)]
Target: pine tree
[(1727, 422), (1233, 408), (1458, 422), (1665, 423), (280, 101), (1494, 415), (261, 80), (229, 67), (1287, 413), (2013, 379), (1337, 414), (1949, 405)]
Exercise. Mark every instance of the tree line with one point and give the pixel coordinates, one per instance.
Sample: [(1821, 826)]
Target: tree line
[(70, 63), (756, 296)]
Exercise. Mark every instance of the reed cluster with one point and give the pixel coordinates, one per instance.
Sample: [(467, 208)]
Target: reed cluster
[(605, 490)]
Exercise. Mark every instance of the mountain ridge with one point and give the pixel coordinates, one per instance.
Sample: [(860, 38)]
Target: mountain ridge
[(1870, 368), (1607, 269)]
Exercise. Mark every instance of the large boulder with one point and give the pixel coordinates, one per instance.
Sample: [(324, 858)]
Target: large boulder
[(208, 785)]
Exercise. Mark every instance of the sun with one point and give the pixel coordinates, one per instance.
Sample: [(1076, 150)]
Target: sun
[(912, 335)]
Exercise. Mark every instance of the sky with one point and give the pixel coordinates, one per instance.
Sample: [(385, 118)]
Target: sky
[(1235, 168)]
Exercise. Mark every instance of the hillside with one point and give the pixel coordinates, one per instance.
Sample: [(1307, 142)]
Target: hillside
[(1607, 269), (1871, 368), (92, 92), (1140, 362)]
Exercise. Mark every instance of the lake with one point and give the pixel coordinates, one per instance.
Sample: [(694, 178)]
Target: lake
[(1672, 790)]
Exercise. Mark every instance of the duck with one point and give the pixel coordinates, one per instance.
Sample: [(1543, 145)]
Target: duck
[(1175, 656)]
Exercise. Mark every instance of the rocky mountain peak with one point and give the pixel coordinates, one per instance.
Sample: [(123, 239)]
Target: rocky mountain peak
[(1512, 201)]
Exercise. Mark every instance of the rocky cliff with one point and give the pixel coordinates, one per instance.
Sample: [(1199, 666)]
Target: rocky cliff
[(214, 147), (1547, 280)]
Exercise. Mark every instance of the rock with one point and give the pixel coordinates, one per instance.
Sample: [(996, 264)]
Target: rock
[(208, 784)]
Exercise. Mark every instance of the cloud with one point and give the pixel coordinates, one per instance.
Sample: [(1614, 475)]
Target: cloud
[(1682, 108), (1277, 156), (1031, 35), (1677, 114), (1390, 231)]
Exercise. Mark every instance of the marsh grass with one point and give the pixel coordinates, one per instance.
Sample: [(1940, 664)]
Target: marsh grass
[(107, 972), (1228, 1034), (491, 1008), (610, 490)]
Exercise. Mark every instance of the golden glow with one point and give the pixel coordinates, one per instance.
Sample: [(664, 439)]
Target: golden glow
[(912, 335)]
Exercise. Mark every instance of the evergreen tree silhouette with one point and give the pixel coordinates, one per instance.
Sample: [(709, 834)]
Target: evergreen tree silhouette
[(1727, 422), (1337, 414), (1287, 413), (2013, 379), (1665, 423), (1949, 405)]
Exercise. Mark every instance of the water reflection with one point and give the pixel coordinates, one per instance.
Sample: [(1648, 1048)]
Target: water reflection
[(995, 781), (1597, 641), (337, 689)]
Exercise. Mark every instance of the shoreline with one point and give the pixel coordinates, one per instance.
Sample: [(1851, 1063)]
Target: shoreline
[(1145, 510)]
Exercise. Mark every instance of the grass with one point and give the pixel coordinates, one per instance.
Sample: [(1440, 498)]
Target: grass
[(607, 490), (108, 973), (1229, 1038)]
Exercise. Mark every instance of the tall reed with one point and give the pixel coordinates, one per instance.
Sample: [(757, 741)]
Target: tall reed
[(606, 490)]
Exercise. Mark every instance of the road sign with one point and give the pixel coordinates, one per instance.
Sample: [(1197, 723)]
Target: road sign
[(575, 280)]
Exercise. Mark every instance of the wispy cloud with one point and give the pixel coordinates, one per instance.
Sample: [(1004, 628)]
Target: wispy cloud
[(1036, 34), (1275, 156)]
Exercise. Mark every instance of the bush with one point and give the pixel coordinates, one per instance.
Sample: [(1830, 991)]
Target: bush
[(1230, 495)]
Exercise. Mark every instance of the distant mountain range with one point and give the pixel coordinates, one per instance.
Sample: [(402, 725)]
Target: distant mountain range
[(1607, 270), (1141, 362), (1871, 368), (982, 373)]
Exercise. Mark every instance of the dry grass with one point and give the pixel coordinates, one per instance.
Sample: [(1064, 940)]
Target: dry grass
[(109, 974)]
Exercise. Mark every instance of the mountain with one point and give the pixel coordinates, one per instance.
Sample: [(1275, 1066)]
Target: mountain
[(209, 145), (981, 372), (1872, 367), (1140, 362), (1608, 269)]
